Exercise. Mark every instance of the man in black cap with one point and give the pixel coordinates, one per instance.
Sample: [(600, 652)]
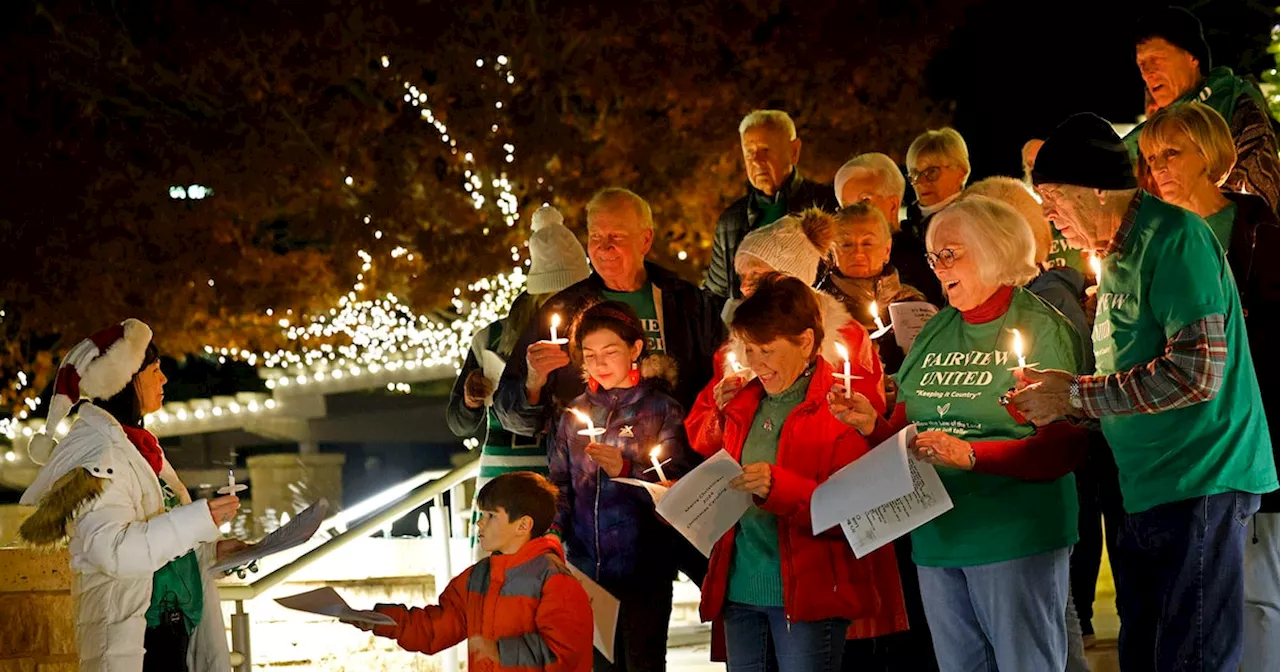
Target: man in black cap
[(1176, 396), (1177, 66)]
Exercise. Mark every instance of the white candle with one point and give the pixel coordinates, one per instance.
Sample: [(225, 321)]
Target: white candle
[(555, 325), (848, 372), (231, 487), (591, 429), (231, 479), (875, 313), (1017, 349), (653, 457), (1096, 264), (733, 362)]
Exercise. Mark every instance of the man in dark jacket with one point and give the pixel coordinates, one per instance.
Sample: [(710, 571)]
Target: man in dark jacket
[(1177, 66), (775, 188), (682, 322)]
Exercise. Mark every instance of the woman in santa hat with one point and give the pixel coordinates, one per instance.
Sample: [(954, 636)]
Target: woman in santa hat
[(140, 548)]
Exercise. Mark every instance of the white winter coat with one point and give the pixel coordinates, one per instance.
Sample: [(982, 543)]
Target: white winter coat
[(121, 539)]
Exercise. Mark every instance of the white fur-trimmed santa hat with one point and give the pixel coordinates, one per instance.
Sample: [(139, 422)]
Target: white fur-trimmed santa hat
[(96, 368)]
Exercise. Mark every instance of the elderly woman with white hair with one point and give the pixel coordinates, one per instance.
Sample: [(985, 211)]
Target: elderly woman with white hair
[(993, 570), (938, 167), (873, 180)]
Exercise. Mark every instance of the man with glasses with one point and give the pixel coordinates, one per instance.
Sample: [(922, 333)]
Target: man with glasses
[(1176, 395), (938, 167), (775, 188)]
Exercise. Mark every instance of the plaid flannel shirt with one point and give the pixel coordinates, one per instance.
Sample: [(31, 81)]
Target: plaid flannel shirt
[(1189, 372)]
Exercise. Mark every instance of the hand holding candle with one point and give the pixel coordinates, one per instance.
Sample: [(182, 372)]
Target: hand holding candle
[(881, 329), (231, 487)]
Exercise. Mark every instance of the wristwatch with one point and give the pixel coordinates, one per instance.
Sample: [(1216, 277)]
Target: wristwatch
[(1076, 402)]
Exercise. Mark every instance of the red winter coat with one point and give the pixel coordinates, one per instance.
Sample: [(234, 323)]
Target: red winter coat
[(821, 578), (528, 604), (705, 422)]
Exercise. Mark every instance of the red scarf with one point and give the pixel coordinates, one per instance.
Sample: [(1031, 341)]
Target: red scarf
[(990, 309), (148, 445)]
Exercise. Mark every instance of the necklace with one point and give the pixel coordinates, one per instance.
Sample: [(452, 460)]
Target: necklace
[(768, 425)]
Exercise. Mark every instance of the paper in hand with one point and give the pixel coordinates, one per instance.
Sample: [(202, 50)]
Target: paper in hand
[(908, 318), (493, 368), (327, 602), (702, 506), (656, 491), (928, 499), (873, 479), (295, 533), (604, 612)]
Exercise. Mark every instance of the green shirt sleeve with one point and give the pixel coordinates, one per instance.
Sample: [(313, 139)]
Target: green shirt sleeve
[(1186, 281)]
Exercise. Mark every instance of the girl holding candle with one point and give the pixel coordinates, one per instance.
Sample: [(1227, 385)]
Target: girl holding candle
[(610, 530), (993, 570), (795, 246), (770, 579)]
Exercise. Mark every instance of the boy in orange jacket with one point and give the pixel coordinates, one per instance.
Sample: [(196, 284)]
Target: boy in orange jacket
[(519, 609)]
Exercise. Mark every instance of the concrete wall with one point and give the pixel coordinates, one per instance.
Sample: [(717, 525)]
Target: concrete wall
[(37, 626)]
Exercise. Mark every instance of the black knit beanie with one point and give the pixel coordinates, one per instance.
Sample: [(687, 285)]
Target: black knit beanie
[(1085, 151), (1180, 28)]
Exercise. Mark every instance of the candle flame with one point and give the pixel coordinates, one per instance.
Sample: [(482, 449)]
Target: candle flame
[(1017, 343), (844, 352), (580, 415), (656, 452), (733, 362), (1096, 264), (555, 320), (874, 309)]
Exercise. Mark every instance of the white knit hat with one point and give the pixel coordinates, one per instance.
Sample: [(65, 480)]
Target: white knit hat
[(96, 368), (558, 259), (794, 245)]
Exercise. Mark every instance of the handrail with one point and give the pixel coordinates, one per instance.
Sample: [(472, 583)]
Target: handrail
[(415, 498)]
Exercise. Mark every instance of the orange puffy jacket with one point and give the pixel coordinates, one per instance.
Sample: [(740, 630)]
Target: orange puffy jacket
[(528, 604)]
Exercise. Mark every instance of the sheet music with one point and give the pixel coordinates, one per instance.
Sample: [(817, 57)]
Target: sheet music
[(872, 529), (657, 492), (604, 612), (327, 602), (908, 318), (295, 533), (493, 367), (702, 506), (869, 481)]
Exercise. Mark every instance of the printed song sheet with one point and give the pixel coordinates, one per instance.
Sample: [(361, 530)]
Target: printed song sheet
[(657, 492), (873, 479), (327, 602), (493, 367), (872, 529), (294, 533), (604, 611), (702, 506), (908, 318)]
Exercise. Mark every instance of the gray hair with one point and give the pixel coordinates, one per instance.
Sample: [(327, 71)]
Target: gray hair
[(888, 176), (995, 234), (775, 119), (944, 142), (612, 197)]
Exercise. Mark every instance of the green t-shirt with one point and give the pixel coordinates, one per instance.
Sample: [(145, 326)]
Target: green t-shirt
[(755, 573), (951, 381), (177, 586), (1171, 273), (1221, 223), (1063, 255), (641, 301), (770, 209)]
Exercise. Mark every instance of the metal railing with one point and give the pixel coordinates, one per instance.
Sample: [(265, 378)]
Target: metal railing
[(392, 511)]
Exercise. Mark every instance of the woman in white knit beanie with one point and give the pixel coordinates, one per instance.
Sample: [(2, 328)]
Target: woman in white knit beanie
[(557, 260)]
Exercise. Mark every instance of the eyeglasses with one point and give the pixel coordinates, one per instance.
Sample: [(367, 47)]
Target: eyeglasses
[(926, 175), (946, 258)]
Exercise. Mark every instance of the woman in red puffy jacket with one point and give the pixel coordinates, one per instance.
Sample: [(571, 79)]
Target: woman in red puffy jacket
[(771, 579)]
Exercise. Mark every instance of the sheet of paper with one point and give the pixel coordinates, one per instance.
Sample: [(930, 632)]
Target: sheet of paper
[(908, 318), (296, 532), (928, 499), (657, 492), (327, 602), (702, 506), (604, 611), (493, 367), (871, 480)]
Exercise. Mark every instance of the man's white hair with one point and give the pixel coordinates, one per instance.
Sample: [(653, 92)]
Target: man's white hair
[(889, 179), (613, 197), (997, 237), (946, 143), (775, 119)]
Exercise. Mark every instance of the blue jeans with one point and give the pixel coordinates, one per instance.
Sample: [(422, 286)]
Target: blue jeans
[(1179, 570), (1262, 594), (750, 631), (1004, 616)]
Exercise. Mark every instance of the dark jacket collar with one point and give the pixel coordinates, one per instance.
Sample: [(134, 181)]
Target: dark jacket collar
[(790, 186)]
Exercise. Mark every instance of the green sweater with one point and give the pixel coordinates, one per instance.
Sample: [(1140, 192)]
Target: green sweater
[(755, 574)]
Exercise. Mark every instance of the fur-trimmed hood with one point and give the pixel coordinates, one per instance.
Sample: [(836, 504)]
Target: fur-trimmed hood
[(838, 326)]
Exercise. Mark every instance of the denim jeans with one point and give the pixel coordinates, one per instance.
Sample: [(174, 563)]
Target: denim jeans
[(1262, 594), (1004, 616), (752, 633), (1180, 584)]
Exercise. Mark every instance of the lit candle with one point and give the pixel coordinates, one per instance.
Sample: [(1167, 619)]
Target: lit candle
[(591, 430), (848, 373), (881, 329), (231, 487), (1019, 352), (657, 466), (555, 324), (1096, 264), (733, 362)]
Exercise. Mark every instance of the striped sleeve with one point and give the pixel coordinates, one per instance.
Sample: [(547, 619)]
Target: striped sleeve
[(1189, 372)]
